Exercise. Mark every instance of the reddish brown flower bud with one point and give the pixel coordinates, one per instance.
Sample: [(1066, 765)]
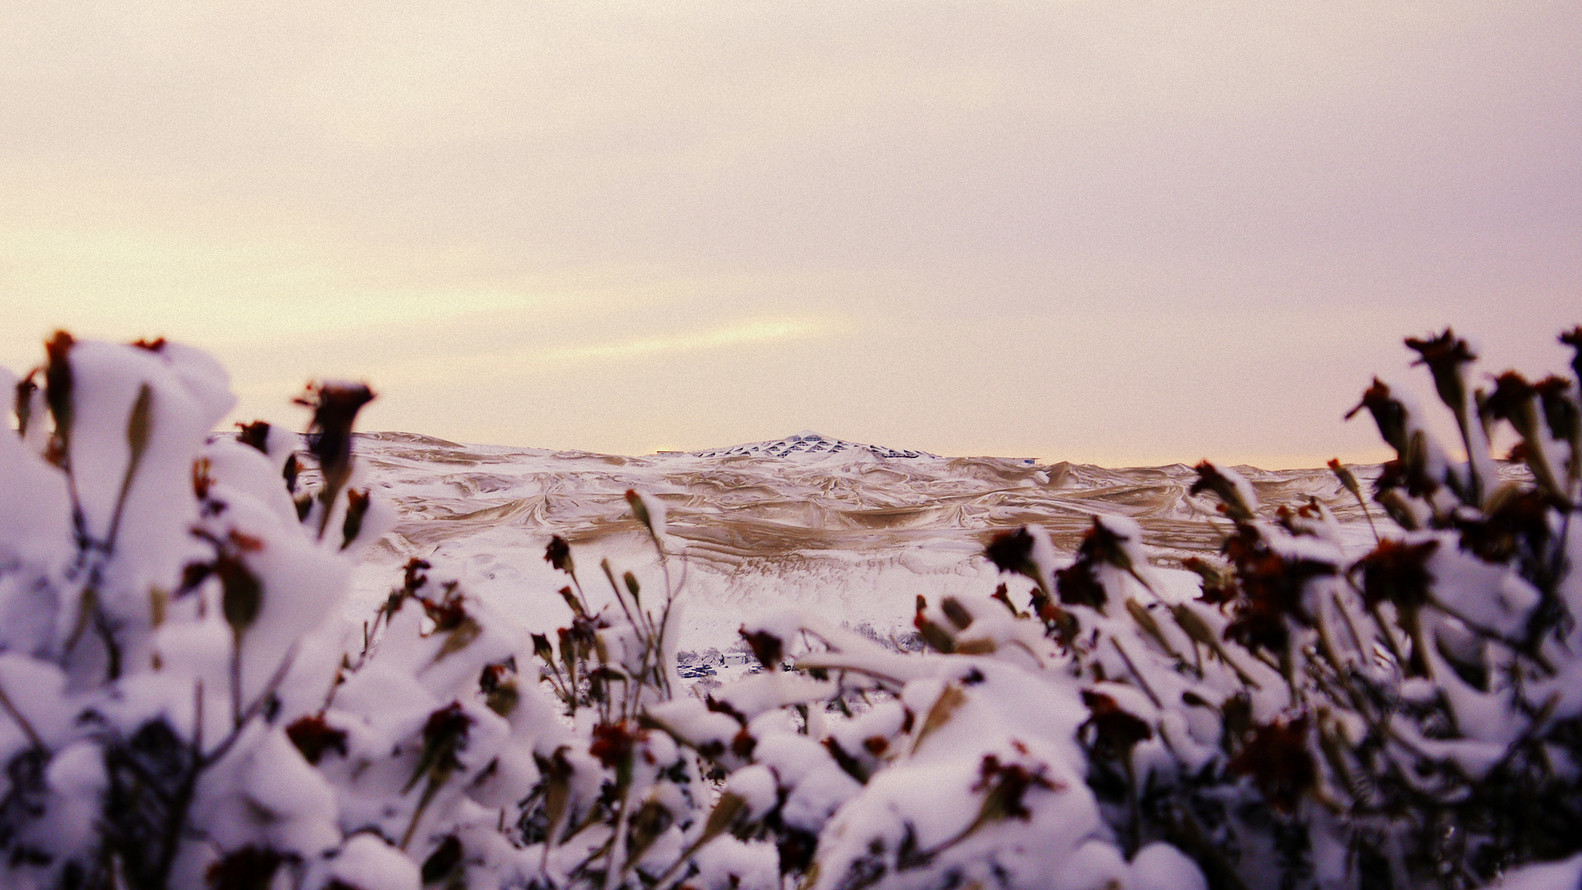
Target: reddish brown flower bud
[(558, 555), (1012, 552), (613, 743), (767, 647), (314, 738), (1445, 356), (335, 407), (1388, 413), (1278, 761), (58, 381), (1397, 573), (1006, 787), (1211, 478), (1110, 731), (249, 868)]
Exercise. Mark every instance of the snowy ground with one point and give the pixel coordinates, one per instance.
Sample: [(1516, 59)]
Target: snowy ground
[(854, 531)]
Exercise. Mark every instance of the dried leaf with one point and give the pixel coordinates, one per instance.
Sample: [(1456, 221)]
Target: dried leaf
[(943, 709)]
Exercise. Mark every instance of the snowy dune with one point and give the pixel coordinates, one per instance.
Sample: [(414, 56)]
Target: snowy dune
[(854, 531)]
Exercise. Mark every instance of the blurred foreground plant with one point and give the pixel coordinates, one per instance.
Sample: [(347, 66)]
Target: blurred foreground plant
[(1329, 715), (1329, 711), (183, 704)]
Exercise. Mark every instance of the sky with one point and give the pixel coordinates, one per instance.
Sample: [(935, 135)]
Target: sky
[(1126, 233)]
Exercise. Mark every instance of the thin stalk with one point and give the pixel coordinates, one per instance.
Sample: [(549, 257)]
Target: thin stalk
[(429, 790), (618, 839), (1390, 642), (236, 677), (186, 792), (1141, 682), (255, 708), (21, 721)]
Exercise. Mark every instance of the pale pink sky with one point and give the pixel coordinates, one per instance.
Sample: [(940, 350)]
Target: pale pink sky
[(1118, 232)]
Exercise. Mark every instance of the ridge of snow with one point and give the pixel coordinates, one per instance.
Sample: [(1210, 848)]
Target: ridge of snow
[(810, 443)]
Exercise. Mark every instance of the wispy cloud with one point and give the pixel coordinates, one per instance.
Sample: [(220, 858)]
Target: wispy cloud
[(741, 333), (505, 213)]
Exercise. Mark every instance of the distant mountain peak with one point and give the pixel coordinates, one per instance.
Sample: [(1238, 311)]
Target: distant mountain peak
[(812, 444)]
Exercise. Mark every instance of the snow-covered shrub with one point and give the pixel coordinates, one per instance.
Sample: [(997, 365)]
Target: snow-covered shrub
[(1404, 716), (1322, 715), (620, 802), (1423, 727), (966, 763), (184, 702)]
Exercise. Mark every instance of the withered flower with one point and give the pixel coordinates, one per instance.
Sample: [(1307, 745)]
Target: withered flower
[(847, 762), (449, 610), (58, 381), (1278, 761), (569, 596), (613, 743), (1218, 589), (1110, 731), (1078, 585), (640, 509), (1002, 594), (1511, 399), (1517, 522), (542, 649), (255, 434), (650, 821), (1012, 552), (193, 574), (1102, 544), (241, 593), (1343, 474), (248, 868), (444, 737), (314, 738), (335, 407), (497, 683), (23, 405), (767, 647), (1408, 476), (1397, 573), (934, 636), (956, 612), (441, 863), (1006, 786), (1573, 339), (1270, 588), (1445, 356), (1515, 401), (357, 503), (1258, 625), (1233, 503), (413, 578), (202, 479), (558, 555), (1388, 413), (744, 743), (1560, 411)]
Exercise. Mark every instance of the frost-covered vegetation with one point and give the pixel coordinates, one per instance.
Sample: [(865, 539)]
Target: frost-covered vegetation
[(186, 704)]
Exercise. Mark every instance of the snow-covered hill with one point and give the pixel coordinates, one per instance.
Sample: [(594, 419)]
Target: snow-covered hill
[(810, 444), (857, 530)]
